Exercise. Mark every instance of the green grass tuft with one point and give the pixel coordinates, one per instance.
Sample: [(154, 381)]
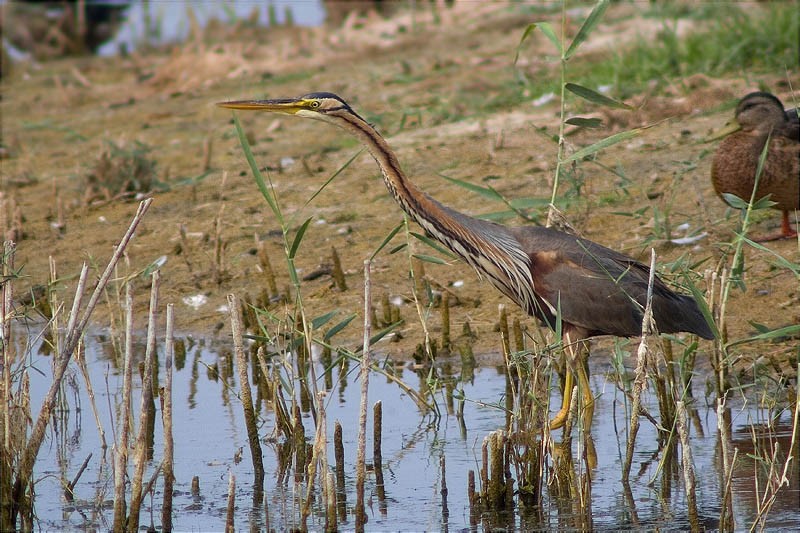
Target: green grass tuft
[(727, 40)]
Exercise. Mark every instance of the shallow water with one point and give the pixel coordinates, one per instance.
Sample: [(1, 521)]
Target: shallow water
[(173, 23), (209, 431)]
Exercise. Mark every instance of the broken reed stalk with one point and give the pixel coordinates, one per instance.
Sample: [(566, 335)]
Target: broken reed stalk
[(16, 221), (208, 144), (319, 457), (6, 358), (419, 283), (149, 487), (185, 248), (69, 493), (361, 466), (640, 376), (121, 452), (166, 418), (246, 396), (229, 517), (266, 266), (298, 441), (6, 315), (688, 467), (775, 482), (142, 439), (338, 454), (56, 306), (266, 516), (726, 519), (504, 337), (484, 466), (218, 268), (386, 308), (443, 492), (446, 322), (6, 233), (74, 332), (519, 337), (720, 352), (80, 358), (337, 272), (195, 488), (496, 493), (330, 503), (473, 500), (377, 454)]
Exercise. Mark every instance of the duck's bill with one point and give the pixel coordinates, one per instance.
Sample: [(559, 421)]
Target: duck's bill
[(724, 131)]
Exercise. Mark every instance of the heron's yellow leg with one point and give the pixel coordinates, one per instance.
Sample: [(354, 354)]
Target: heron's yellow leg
[(588, 397), (577, 354), (561, 417)]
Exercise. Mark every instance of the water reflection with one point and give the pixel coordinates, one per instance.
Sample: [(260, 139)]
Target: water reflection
[(428, 461), (173, 23)]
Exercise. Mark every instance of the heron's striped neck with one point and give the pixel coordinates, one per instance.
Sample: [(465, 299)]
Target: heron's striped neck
[(490, 248)]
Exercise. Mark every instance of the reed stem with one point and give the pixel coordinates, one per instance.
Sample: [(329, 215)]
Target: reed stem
[(28, 458), (361, 467), (121, 447), (377, 454), (640, 376), (166, 417), (231, 507), (145, 412), (246, 396)]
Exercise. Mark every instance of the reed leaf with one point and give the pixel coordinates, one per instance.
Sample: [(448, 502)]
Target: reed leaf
[(333, 177), (585, 122), (546, 28), (702, 304), (320, 321), (587, 27), (386, 240), (338, 327), (433, 244), (767, 335), (486, 192), (298, 238), (780, 260), (595, 97), (429, 259), (251, 161), (603, 144)]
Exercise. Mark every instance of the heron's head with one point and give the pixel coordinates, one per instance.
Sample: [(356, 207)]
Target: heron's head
[(760, 111), (323, 106)]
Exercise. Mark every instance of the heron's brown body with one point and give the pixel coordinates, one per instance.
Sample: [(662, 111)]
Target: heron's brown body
[(733, 170), (600, 291), (548, 273)]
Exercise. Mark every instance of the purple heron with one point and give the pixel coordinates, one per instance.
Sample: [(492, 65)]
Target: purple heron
[(551, 275)]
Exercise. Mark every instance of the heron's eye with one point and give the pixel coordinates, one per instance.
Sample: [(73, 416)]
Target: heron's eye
[(314, 104)]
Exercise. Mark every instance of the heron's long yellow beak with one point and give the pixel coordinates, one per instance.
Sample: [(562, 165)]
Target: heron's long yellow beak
[(730, 127), (289, 106)]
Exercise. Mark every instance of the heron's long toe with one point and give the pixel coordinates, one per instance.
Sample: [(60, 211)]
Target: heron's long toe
[(560, 419), (588, 397)]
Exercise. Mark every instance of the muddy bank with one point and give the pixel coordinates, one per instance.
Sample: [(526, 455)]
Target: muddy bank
[(443, 90)]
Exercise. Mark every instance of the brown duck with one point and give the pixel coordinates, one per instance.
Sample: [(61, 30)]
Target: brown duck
[(761, 115)]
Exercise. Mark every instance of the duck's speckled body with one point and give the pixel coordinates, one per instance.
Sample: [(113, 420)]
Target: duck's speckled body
[(760, 116)]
